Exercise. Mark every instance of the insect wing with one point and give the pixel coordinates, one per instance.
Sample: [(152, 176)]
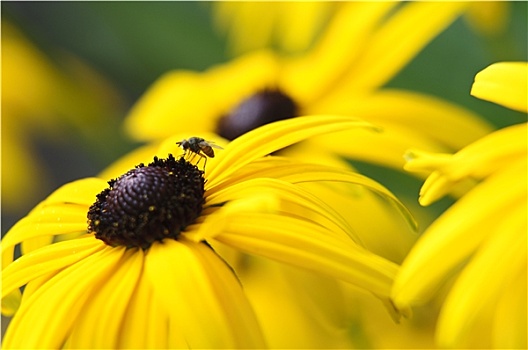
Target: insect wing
[(215, 145), (205, 147)]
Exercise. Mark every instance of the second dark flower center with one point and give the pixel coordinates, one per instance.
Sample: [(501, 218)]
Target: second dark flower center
[(261, 108)]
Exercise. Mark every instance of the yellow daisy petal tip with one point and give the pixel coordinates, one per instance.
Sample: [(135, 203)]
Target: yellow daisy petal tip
[(504, 83)]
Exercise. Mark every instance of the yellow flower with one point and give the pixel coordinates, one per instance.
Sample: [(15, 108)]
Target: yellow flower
[(292, 26), (40, 99), (342, 74), (483, 234), (144, 274)]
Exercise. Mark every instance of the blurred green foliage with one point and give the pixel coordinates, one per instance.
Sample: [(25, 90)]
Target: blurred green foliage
[(132, 43)]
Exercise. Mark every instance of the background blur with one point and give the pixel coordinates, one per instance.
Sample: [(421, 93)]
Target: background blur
[(61, 119)]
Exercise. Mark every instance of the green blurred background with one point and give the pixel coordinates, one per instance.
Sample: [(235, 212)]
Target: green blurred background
[(130, 44)]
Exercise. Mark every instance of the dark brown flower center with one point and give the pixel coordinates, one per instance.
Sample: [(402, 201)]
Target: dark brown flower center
[(261, 108), (148, 203)]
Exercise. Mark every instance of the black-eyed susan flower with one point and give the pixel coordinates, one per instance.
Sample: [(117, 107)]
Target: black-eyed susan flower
[(138, 269), (362, 48), (483, 235)]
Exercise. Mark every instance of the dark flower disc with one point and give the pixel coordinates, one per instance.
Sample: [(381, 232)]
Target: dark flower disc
[(148, 203), (261, 108)]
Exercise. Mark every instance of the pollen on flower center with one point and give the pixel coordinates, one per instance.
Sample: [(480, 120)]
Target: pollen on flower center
[(148, 203), (261, 108)]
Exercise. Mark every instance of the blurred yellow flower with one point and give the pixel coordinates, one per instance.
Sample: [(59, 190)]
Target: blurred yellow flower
[(253, 25), (343, 74), (483, 234), (144, 274), (39, 99)]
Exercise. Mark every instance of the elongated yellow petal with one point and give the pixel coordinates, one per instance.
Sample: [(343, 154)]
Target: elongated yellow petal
[(301, 173), (202, 296), (299, 21), (510, 318), (501, 258), (250, 24), (385, 148), (310, 306), (502, 148), (431, 118), (505, 83), (301, 201), (81, 192), (446, 244), (491, 152), (25, 229), (108, 304), (159, 112), (50, 258), (298, 243), (136, 332), (216, 218), (175, 102), (272, 137), (399, 39), (62, 298), (58, 213), (343, 41), (254, 25), (62, 212)]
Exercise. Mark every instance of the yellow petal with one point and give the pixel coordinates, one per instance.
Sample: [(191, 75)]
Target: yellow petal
[(50, 258), (175, 102), (136, 332), (504, 83), (62, 299), (253, 25), (62, 212), (81, 192), (491, 152), (398, 40), (277, 237), (161, 110), (315, 318), (510, 319), (307, 173), (293, 201), (299, 22), (449, 125), (249, 25), (25, 229), (216, 219), (272, 137), (202, 296), (498, 261), (385, 148), (345, 38), (500, 149), (455, 235), (99, 323)]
